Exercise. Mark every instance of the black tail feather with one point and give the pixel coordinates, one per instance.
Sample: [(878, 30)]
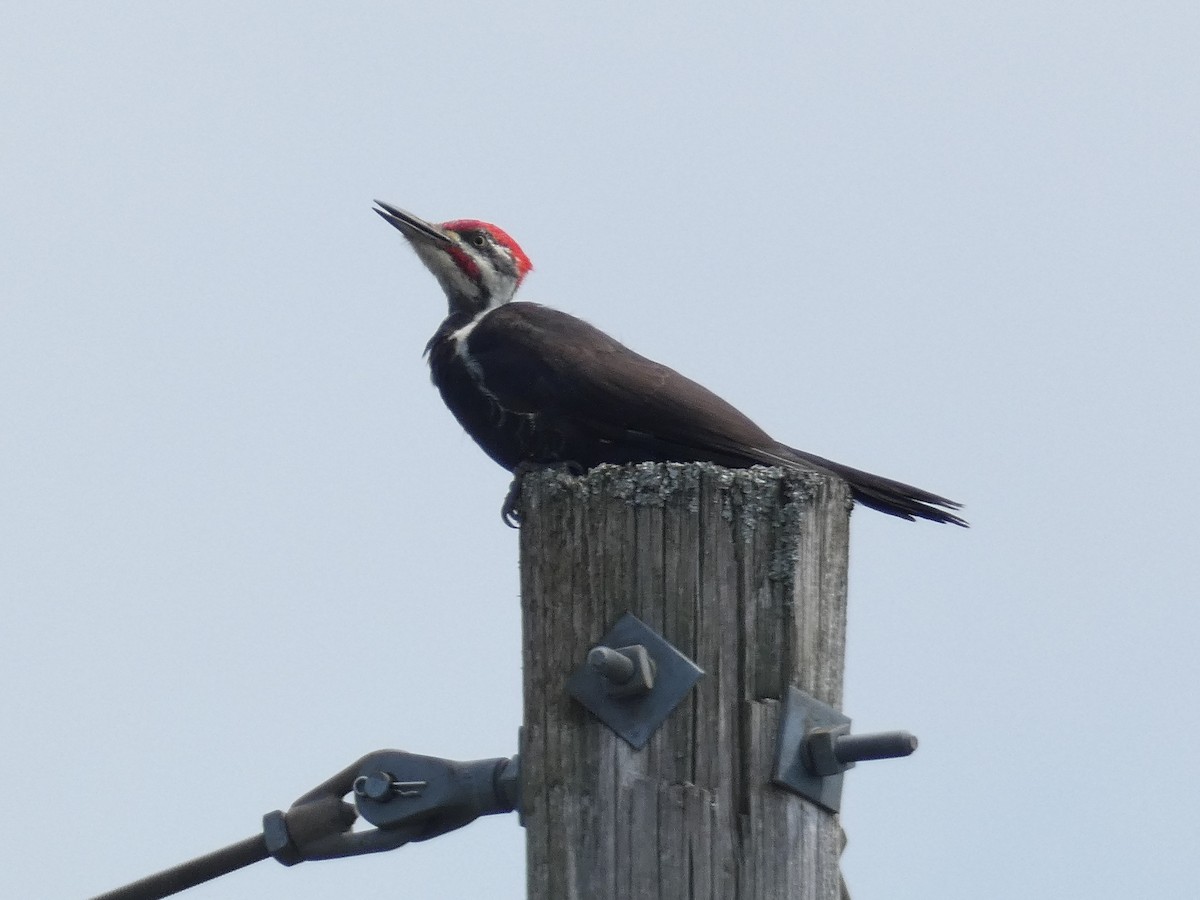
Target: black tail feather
[(892, 497)]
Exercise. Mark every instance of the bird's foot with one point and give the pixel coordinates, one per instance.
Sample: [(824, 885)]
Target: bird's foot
[(510, 511)]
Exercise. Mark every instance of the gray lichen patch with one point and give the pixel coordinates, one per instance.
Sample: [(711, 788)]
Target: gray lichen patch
[(747, 497)]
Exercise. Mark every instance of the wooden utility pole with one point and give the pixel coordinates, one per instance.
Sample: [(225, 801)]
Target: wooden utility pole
[(744, 571)]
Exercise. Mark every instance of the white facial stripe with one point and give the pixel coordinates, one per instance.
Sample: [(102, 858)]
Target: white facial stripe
[(460, 347), (500, 287), (446, 270), (459, 337)]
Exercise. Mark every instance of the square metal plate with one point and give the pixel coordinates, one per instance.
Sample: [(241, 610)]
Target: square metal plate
[(636, 718), (801, 714)]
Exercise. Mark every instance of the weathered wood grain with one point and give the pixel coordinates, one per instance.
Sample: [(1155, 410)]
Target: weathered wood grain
[(745, 572)]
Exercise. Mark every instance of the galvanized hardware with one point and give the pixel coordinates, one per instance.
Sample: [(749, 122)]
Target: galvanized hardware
[(426, 794), (405, 796), (633, 679), (628, 670), (833, 750), (383, 786), (815, 748)]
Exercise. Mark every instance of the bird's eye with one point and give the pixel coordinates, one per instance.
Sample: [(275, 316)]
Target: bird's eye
[(478, 239)]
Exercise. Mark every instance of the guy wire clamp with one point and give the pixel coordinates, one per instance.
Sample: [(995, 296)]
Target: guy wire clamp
[(405, 796)]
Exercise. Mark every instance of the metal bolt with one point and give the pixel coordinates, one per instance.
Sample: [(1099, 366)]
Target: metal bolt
[(852, 748), (629, 671), (383, 786), (831, 750), (613, 665)]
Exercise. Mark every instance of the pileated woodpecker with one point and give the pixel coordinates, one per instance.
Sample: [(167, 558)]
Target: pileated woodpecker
[(538, 387)]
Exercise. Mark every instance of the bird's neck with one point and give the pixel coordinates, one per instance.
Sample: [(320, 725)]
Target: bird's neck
[(458, 324)]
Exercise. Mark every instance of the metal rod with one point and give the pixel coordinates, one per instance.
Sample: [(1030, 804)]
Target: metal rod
[(884, 745), (191, 873)]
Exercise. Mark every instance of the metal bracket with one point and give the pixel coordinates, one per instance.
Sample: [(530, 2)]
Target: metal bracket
[(402, 790), (405, 796), (633, 679), (815, 748)]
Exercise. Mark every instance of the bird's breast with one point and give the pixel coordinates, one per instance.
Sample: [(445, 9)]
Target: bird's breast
[(505, 435)]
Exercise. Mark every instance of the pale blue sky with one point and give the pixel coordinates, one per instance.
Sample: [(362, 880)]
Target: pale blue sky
[(242, 543)]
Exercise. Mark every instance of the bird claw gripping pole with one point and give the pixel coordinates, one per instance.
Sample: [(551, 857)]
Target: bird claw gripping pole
[(405, 796)]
